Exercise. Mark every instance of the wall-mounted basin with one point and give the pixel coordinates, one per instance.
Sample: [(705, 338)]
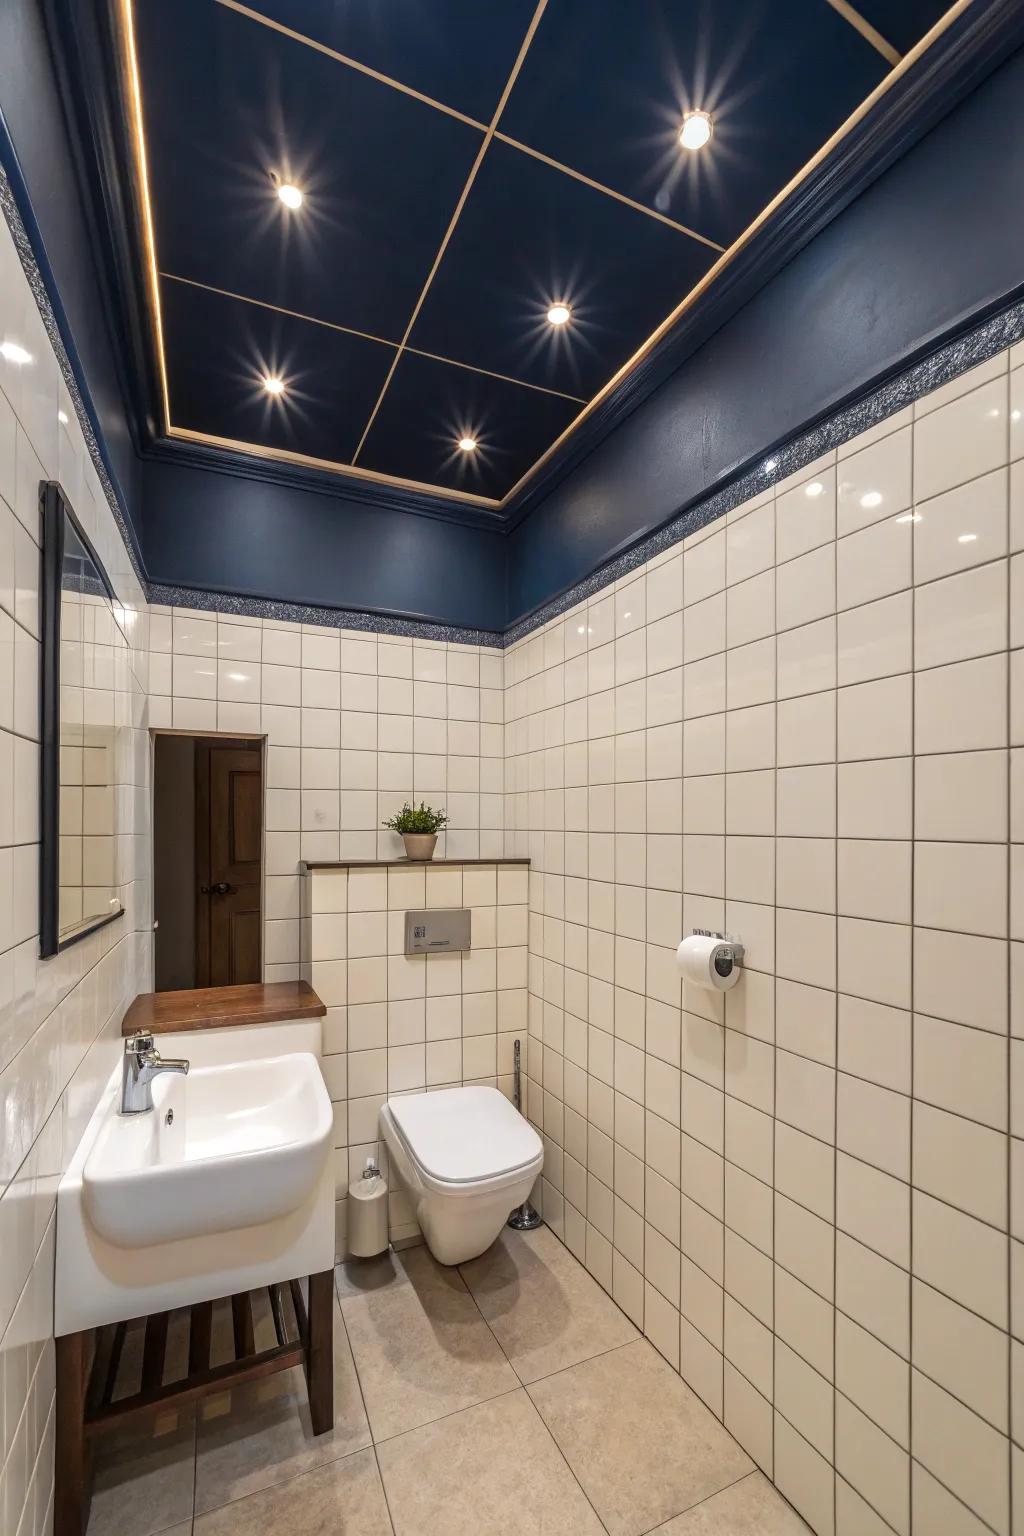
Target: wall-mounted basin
[(226, 1147)]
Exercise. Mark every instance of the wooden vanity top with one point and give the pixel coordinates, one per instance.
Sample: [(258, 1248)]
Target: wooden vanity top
[(162, 1013)]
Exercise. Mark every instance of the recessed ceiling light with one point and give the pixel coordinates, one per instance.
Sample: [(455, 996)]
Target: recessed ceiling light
[(14, 353), (871, 499), (273, 385), (814, 489), (290, 194), (696, 130), (967, 538), (467, 444), (558, 314)]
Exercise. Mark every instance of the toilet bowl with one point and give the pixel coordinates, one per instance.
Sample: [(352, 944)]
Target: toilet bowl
[(466, 1158)]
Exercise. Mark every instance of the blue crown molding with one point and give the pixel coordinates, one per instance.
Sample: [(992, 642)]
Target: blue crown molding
[(396, 498), (83, 35), (377, 622)]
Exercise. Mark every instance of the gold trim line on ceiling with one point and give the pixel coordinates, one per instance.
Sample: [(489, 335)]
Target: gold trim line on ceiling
[(869, 33), (349, 330), (132, 83), (474, 168), (620, 197)]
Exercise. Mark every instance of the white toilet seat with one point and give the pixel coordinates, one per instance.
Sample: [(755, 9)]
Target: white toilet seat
[(466, 1157), (465, 1139)]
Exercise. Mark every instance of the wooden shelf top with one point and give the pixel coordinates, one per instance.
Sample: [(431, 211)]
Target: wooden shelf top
[(164, 1013), (402, 863)]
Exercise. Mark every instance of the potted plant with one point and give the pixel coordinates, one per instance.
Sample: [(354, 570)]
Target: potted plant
[(419, 826)]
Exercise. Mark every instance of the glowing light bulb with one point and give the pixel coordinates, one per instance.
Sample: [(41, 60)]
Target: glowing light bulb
[(273, 385), (696, 130), (559, 314), (290, 195), (467, 444)]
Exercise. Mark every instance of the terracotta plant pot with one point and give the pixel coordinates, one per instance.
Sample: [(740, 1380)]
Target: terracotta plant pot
[(419, 845)]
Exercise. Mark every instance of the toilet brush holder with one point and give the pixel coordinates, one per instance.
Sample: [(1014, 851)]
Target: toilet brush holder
[(525, 1217), (368, 1213)]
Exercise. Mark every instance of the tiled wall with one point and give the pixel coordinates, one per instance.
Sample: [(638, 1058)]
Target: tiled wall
[(400, 1023), (355, 724), (60, 1018), (805, 725)]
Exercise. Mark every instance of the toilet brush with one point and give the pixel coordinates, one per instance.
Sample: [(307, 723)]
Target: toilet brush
[(524, 1218)]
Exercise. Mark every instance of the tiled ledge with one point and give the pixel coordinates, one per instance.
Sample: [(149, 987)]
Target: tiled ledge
[(311, 864)]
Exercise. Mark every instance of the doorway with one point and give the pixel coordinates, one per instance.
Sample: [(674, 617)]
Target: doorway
[(207, 860)]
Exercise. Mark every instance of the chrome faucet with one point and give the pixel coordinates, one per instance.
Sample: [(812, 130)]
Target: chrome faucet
[(142, 1062)]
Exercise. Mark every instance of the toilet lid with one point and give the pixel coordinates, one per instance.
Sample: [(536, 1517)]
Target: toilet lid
[(461, 1135)]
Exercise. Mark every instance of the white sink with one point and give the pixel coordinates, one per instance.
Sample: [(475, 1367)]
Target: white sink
[(226, 1147)]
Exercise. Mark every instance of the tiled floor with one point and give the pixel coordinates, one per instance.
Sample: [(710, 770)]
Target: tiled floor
[(508, 1398)]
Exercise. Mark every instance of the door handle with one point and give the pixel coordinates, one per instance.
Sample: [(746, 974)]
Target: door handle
[(220, 889)]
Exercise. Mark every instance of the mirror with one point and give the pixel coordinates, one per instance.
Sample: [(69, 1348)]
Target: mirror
[(84, 672)]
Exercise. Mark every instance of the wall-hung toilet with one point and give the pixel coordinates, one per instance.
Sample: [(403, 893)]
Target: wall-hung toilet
[(466, 1158)]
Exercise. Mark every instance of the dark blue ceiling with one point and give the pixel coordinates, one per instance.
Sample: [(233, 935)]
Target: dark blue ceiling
[(418, 272)]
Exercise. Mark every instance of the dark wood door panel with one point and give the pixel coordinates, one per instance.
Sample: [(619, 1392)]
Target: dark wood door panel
[(229, 832)]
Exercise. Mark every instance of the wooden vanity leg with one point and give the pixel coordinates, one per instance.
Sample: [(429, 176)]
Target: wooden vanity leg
[(71, 1471), (320, 1351)]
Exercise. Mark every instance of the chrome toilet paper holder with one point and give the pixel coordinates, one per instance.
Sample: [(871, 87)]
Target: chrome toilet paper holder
[(723, 938)]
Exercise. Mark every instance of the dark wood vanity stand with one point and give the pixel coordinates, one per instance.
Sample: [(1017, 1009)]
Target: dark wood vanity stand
[(90, 1368)]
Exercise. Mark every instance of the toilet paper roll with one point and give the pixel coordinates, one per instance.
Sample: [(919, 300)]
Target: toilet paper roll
[(707, 962)]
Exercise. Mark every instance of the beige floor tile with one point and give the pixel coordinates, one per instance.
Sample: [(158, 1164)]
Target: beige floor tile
[(642, 1445), (345, 1498), (421, 1347), (144, 1478), (260, 1433), (750, 1507), (545, 1310), (491, 1470)]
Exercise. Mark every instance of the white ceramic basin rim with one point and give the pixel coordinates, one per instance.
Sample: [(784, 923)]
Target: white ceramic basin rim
[(223, 1148)]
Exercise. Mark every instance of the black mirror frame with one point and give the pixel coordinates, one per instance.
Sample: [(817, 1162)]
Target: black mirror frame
[(55, 507)]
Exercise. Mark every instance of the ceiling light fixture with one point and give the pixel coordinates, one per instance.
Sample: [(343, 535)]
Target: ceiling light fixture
[(290, 194), (14, 353), (559, 314), (696, 130), (467, 444), (273, 385)]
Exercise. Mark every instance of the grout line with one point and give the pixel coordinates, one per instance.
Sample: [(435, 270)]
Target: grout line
[(471, 178)]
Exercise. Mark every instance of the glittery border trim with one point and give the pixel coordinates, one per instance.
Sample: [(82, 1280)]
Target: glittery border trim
[(30, 267), (333, 618), (956, 357), (975, 346)]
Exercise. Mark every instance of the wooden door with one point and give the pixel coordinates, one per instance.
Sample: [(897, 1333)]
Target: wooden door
[(229, 844)]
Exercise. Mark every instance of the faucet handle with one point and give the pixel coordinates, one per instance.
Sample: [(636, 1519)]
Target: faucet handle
[(139, 1043)]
